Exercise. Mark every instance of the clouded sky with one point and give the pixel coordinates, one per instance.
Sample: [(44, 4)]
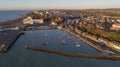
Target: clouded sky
[(58, 4)]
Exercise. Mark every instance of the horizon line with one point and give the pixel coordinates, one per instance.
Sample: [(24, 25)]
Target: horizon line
[(60, 9)]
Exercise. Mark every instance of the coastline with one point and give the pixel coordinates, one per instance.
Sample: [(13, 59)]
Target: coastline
[(93, 44), (13, 21)]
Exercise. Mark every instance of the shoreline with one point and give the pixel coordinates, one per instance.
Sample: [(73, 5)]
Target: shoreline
[(92, 44), (12, 21), (87, 40)]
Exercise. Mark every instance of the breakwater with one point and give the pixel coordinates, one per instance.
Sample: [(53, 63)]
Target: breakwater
[(74, 54), (7, 41)]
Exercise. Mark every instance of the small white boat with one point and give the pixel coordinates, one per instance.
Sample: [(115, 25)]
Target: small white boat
[(77, 45), (46, 35)]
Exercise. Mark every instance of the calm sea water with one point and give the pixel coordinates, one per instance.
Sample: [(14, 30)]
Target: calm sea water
[(18, 56), (11, 14)]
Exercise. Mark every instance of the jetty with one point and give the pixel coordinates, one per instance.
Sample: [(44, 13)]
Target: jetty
[(8, 39), (74, 54)]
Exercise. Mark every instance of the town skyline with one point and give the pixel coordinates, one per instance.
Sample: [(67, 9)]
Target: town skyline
[(58, 4)]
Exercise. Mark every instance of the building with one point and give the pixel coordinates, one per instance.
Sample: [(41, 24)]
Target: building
[(38, 21), (115, 26), (28, 20), (53, 23), (36, 12), (118, 20), (9, 27)]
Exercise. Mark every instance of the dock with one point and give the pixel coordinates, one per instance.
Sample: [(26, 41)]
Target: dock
[(74, 54), (8, 39)]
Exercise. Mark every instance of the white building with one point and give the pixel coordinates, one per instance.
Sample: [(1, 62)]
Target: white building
[(118, 20), (115, 27), (41, 14), (28, 20), (53, 23), (36, 12), (40, 21), (46, 12)]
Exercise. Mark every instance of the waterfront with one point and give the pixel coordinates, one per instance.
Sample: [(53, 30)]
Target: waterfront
[(18, 56)]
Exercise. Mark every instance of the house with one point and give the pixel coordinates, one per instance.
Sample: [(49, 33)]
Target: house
[(36, 12), (46, 12), (28, 20), (39, 21), (118, 20), (53, 23), (115, 26)]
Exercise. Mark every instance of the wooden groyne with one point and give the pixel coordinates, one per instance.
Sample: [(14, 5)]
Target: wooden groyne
[(73, 54)]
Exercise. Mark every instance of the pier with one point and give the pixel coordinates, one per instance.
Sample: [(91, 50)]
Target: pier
[(74, 54), (8, 39)]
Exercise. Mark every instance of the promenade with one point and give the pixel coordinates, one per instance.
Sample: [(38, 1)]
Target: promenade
[(90, 42)]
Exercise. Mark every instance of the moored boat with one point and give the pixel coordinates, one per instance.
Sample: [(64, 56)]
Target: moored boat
[(46, 43), (46, 35), (63, 42), (77, 45)]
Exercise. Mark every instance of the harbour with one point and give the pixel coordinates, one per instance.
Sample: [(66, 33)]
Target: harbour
[(87, 53), (19, 55)]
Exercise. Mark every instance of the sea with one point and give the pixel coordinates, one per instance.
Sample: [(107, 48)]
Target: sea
[(18, 56), (12, 14)]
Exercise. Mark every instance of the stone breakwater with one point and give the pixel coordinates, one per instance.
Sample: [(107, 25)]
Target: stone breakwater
[(7, 41), (73, 54)]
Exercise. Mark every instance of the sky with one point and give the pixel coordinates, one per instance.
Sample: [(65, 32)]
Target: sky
[(58, 4)]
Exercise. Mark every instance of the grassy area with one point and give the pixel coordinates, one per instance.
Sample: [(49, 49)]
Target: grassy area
[(110, 35)]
